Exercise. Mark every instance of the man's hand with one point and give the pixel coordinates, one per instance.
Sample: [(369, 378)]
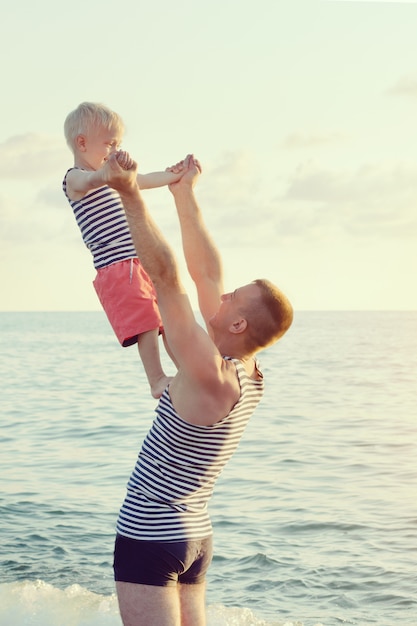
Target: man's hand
[(124, 159), (191, 169), (120, 172)]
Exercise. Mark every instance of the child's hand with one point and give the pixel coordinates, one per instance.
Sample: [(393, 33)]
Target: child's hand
[(186, 172), (179, 168), (124, 160)]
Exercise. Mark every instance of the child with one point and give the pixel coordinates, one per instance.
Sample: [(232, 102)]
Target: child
[(93, 132)]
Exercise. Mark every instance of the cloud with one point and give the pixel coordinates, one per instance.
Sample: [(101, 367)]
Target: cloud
[(405, 86), (317, 203), (32, 156), (36, 215), (314, 204), (52, 195), (233, 179), (228, 191), (302, 140), (378, 1), (375, 199)]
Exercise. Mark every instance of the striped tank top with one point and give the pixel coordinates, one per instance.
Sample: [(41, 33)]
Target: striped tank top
[(177, 467), (101, 218)]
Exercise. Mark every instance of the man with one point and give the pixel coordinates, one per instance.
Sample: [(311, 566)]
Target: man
[(163, 546)]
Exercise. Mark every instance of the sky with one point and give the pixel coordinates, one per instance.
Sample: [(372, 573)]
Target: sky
[(303, 114)]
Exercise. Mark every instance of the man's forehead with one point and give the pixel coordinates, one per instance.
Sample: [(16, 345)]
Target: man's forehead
[(250, 289)]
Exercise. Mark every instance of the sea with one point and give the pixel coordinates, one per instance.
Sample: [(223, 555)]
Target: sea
[(315, 517)]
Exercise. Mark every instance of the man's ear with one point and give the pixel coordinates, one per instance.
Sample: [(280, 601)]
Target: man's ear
[(80, 142), (238, 326)]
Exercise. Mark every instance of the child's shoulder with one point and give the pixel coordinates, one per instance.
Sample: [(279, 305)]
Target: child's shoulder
[(75, 168)]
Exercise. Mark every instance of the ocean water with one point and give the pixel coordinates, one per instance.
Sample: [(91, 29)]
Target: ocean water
[(315, 516)]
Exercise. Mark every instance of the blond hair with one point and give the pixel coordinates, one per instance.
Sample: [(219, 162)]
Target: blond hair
[(88, 115)]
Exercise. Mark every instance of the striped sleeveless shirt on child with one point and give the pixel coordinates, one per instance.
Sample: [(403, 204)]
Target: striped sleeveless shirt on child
[(101, 218)]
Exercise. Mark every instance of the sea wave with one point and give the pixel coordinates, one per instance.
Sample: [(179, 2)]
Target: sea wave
[(37, 603)]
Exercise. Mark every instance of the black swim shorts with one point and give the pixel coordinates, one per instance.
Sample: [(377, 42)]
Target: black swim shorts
[(161, 563)]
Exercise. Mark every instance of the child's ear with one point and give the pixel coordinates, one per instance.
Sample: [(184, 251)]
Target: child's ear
[(80, 142)]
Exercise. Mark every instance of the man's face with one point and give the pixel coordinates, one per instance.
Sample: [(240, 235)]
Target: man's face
[(233, 304)]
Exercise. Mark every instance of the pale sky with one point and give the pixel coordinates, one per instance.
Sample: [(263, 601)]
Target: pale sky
[(303, 114)]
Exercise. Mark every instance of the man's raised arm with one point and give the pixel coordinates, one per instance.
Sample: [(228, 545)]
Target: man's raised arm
[(201, 255), (153, 250)]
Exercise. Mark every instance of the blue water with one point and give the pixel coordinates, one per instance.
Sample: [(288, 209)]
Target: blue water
[(315, 516)]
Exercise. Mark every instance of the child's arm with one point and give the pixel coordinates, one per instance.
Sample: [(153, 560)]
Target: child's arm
[(159, 179), (79, 182)]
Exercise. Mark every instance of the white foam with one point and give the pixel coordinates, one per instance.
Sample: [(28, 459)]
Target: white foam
[(36, 603), (40, 604)]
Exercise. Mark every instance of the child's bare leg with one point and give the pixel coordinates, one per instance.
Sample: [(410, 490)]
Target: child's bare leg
[(148, 346)]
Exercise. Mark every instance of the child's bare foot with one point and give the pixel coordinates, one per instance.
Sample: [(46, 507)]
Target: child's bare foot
[(158, 386)]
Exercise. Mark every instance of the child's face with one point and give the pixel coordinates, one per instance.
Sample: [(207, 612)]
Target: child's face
[(100, 143)]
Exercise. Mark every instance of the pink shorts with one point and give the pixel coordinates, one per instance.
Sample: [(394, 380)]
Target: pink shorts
[(128, 298)]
